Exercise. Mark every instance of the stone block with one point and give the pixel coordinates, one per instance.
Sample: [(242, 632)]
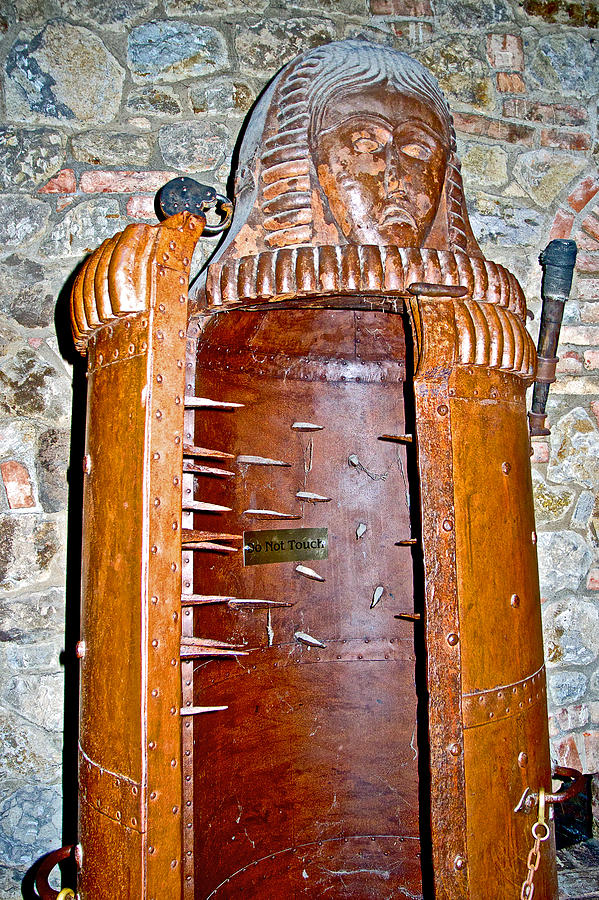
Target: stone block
[(505, 51), (564, 560), (28, 156), (154, 101), (64, 73), (472, 15), (591, 748), (567, 687), (112, 14), (28, 545), (587, 263), (27, 291), (31, 617), (141, 207), (200, 7), (194, 146), (565, 62), (571, 717), (540, 451), (172, 51), (27, 752), (51, 464), (17, 461), (566, 752), (456, 62), (83, 228), (591, 359), (221, 95), (38, 698), (264, 45), (544, 175), (571, 631), (583, 510), (484, 165), (551, 504), (99, 148), (504, 221), (401, 8), (30, 821), (570, 362), (23, 219), (35, 383), (593, 579), (469, 123)]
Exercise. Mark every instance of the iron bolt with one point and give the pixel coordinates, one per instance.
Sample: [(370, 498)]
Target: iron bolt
[(515, 600), (452, 639), (506, 468), (87, 464), (523, 760), (454, 749), (442, 409), (459, 863), (80, 649)]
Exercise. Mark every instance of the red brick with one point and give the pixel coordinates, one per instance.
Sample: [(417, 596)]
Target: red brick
[(591, 749), (567, 752), (562, 225), (504, 51), (547, 113), (585, 241), (565, 140), (494, 128), (103, 182), (19, 492), (588, 288), (540, 451), (595, 409), (510, 83), (587, 263), (64, 182), (63, 202), (589, 312), (591, 359), (141, 207), (36, 343), (570, 363), (591, 225), (584, 191), (593, 580), (401, 7)]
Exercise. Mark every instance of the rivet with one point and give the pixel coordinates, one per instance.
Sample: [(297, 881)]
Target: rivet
[(173, 863), (515, 600), (154, 600), (87, 463), (176, 480), (80, 649), (177, 400), (172, 245), (523, 760), (173, 763), (156, 455), (153, 795), (173, 710), (100, 358), (454, 749), (156, 501), (447, 525), (154, 643), (506, 468), (452, 639), (459, 863), (442, 409), (165, 257), (133, 820), (152, 745), (78, 855), (159, 379), (175, 810), (118, 815), (181, 334), (185, 260), (131, 348), (151, 850), (158, 414), (533, 537), (159, 336), (181, 279), (155, 692), (154, 549), (162, 307)]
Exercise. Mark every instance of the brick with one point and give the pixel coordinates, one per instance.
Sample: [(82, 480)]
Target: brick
[(562, 225), (584, 191), (510, 83), (141, 207), (571, 717), (587, 263), (17, 484), (565, 140), (588, 288), (591, 359), (591, 749), (593, 580), (546, 113), (103, 182), (591, 225), (570, 363), (585, 241), (540, 451), (504, 51), (494, 128), (64, 182), (595, 409), (589, 313), (580, 335), (567, 752), (401, 7)]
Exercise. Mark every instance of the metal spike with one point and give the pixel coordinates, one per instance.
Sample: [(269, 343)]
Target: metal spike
[(200, 599), (192, 651), (207, 403), (199, 506), (306, 426), (269, 514), (189, 535), (407, 542), (198, 710), (397, 438), (309, 573), (234, 603), (360, 530), (192, 450), (260, 461), (206, 470), (209, 642), (304, 638), (312, 498), (409, 617), (378, 593), (211, 546)]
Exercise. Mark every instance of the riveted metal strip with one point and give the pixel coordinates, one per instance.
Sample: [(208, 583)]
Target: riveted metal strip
[(112, 794), (125, 339), (505, 701), (436, 323)]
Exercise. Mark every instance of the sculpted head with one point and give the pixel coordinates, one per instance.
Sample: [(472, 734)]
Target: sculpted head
[(352, 143)]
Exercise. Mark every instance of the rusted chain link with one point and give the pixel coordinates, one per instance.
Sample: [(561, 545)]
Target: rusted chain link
[(540, 833)]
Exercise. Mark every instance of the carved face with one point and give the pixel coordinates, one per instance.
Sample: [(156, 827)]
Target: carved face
[(381, 157)]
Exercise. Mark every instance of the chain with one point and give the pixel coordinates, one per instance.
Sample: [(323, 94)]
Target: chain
[(540, 833)]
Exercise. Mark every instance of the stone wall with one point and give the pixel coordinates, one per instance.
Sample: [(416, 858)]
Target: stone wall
[(103, 101)]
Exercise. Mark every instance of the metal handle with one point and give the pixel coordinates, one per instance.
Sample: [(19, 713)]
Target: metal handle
[(41, 879), (577, 783), (183, 193)]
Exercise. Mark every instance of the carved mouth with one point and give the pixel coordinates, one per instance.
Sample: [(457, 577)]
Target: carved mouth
[(396, 215)]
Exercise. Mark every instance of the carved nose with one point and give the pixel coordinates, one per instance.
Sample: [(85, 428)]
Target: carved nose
[(392, 174)]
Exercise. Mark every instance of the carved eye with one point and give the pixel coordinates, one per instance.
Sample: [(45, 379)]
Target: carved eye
[(417, 151), (366, 144)]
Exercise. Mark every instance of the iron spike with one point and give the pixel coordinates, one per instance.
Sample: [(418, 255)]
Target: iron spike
[(376, 596), (192, 450), (206, 470), (407, 542), (307, 639), (197, 710), (260, 461), (312, 498), (199, 506), (190, 535), (409, 617), (306, 426), (309, 573), (397, 438), (211, 546), (207, 403), (269, 514)]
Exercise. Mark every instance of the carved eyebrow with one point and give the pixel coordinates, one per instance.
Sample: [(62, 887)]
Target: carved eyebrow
[(365, 119)]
